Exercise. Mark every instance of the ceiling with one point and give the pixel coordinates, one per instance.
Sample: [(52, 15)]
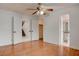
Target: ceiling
[(22, 7)]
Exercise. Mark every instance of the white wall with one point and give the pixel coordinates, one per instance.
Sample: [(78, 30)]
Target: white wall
[(17, 28), (27, 27), (35, 32), (51, 34), (41, 19), (6, 27), (51, 28), (74, 28)]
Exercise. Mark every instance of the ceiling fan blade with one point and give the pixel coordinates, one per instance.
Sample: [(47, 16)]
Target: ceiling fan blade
[(39, 6), (34, 12), (49, 9)]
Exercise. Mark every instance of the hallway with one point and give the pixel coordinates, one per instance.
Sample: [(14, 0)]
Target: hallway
[(37, 48)]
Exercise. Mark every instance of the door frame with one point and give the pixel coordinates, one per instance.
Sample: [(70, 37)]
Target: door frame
[(61, 30), (39, 31)]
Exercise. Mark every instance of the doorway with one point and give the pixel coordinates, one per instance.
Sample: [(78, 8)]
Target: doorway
[(64, 30), (41, 27), (40, 31)]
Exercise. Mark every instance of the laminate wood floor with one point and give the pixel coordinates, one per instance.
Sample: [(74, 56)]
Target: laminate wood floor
[(37, 48)]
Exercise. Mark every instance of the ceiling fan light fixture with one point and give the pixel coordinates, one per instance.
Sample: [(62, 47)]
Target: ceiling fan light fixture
[(41, 12)]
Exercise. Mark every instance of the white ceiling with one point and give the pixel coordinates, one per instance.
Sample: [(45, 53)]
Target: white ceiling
[(22, 7)]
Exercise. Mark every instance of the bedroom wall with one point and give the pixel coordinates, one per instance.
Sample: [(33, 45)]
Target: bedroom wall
[(51, 34), (6, 27), (51, 28), (31, 23)]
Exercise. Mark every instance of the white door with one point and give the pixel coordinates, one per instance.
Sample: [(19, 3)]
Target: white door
[(64, 30)]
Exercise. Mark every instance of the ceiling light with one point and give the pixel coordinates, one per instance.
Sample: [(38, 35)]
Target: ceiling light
[(41, 12)]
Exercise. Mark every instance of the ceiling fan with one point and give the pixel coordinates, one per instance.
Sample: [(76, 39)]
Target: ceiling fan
[(41, 9)]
